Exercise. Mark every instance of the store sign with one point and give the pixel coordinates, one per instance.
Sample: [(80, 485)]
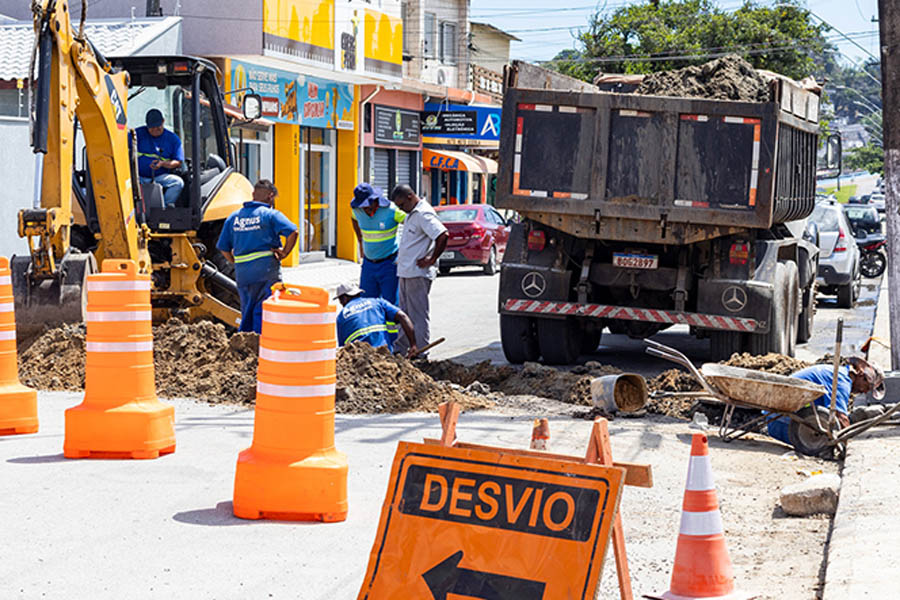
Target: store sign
[(297, 99), (395, 126), (349, 36), (459, 121)]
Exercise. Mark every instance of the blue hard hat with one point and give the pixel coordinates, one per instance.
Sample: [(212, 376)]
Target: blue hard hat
[(154, 117), (365, 194)]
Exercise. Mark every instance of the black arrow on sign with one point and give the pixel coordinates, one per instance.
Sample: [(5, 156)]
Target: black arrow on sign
[(447, 577)]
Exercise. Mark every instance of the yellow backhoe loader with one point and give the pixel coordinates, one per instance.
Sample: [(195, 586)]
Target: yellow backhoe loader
[(89, 203)]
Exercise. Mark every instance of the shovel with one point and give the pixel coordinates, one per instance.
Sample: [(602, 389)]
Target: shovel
[(427, 348)]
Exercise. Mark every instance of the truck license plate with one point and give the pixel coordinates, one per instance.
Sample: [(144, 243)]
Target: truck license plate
[(635, 261)]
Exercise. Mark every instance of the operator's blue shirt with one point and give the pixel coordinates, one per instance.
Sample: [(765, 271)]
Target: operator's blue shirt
[(250, 233), (379, 232), (822, 375), (366, 320), (165, 147)]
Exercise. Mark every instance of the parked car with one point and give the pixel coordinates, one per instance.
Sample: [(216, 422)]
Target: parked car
[(864, 220), (478, 236), (877, 202), (839, 273)]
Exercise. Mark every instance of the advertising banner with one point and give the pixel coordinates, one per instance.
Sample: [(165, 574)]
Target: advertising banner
[(296, 99), (460, 122), (395, 126)]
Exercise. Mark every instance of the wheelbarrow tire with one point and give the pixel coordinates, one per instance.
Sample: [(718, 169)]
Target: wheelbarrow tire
[(805, 438)]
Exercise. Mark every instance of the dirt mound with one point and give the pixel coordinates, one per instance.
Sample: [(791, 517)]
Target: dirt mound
[(778, 364), (371, 380), (55, 360), (727, 78), (573, 387)]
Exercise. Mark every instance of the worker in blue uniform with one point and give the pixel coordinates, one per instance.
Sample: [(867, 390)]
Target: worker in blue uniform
[(251, 239), (858, 377), (376, 222), (160, 154), (366, 319)]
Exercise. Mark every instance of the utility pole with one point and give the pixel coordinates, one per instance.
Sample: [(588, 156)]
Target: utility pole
[(889, 24)]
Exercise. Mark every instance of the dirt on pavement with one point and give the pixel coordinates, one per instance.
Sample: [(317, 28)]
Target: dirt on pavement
[(727, 78)]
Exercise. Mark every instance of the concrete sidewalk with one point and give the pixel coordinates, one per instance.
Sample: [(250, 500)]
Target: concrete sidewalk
[(864, 552), (327, 273)]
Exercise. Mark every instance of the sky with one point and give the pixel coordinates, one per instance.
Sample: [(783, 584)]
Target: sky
[(545, 30)]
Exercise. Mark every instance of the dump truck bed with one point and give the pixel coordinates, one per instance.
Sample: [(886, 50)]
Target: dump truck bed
[(658, 169)]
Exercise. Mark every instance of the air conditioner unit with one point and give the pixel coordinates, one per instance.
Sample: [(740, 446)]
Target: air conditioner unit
[(442, 76)]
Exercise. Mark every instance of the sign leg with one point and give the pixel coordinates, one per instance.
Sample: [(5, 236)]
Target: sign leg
[(600, 452), (449, 412)]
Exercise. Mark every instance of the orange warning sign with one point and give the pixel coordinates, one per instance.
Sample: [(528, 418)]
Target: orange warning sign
[(487, 525)]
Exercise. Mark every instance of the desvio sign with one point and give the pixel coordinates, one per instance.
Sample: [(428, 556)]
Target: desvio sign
[(488, 525)]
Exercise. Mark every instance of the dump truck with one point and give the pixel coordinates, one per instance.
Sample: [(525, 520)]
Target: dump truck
[(641, 212)]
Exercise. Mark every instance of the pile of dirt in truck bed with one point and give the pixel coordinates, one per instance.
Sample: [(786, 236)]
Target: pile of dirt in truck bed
[(573, 386), (200, 360), (727, 78), (372, 380)]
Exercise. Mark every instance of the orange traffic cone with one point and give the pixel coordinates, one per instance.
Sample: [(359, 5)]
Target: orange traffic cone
[(292, 471), (120, 416), (702, 566), (18, 404), (540, 434)]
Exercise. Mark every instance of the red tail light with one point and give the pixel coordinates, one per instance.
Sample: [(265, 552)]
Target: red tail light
[(536, 240), (739, 253), (475, 230), (841, 244)]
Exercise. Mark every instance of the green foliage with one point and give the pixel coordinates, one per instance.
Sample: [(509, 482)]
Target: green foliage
[(659, 36), (842, 195), (869, 158), (852, 91)]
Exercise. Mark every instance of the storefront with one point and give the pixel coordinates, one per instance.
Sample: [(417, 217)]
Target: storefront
[(299, 151), (455, 177), (392, 142)]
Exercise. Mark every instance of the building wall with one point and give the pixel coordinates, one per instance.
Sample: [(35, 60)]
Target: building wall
[(393, 98), (429, 69), (491, 49), (17, 174)]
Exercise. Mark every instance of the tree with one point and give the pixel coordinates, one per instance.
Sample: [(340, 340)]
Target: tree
[(659, 36), (868, 158)]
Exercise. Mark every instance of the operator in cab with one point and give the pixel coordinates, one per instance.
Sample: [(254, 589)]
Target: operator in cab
[(366, 319), (858, 377), (160, 153), (251, 239)]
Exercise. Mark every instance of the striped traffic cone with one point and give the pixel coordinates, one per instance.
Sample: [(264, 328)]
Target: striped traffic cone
[(702, 566), (540, 434)]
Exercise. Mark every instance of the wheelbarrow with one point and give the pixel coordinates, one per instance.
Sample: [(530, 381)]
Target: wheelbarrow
[(813, 430)]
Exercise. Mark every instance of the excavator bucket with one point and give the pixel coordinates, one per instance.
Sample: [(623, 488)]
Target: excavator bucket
[(51, 302)]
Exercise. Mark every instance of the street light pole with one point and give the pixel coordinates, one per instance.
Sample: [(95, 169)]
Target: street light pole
[(889, 24)]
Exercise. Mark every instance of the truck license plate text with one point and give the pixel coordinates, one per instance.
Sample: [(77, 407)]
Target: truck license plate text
[(635, 261)]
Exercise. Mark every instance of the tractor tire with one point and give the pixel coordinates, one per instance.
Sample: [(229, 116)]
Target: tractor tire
[(518, 336), (559, 340)]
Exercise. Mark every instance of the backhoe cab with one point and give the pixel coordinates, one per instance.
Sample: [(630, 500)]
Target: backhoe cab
[(91, 204)]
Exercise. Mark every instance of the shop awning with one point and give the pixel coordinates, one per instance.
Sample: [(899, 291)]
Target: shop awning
[(451, 160)]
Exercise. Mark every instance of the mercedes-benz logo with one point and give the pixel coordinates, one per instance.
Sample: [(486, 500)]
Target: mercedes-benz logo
[(734, 298), (533, 284)]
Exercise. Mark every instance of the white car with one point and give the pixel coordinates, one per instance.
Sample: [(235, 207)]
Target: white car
[(839, 273), (876, 201)]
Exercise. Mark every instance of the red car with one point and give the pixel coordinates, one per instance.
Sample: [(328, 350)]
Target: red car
[(478, 236)]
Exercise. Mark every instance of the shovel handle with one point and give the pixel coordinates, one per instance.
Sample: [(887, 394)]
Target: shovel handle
[(428, 347)]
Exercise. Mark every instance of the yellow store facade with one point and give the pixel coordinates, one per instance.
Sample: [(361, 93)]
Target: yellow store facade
[(315, 56)]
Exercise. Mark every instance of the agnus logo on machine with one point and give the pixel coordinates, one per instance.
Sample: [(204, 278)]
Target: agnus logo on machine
[(539, 508)]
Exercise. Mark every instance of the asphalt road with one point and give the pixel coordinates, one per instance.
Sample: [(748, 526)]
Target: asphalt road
[(464, 310)]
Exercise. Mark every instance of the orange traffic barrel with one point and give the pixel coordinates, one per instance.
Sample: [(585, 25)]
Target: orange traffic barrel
[(292, 470), (18, 404), (120, 416)]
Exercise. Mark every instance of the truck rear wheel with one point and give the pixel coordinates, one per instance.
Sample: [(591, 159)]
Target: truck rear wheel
[(559, 340), (519, 339), (807, 314)]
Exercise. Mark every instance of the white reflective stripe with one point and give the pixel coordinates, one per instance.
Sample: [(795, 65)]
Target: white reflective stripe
[(543, 107), (125, 315), (295, 391), (6, 336), (739, 120), (118, 286), (700, 477), (701, 523), (119, 346), (7, 307), (5, 280), (281, 318), (517, 162), (568, 109), (298, 356)]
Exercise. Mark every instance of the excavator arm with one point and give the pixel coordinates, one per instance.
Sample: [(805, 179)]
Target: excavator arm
[(73, 81)]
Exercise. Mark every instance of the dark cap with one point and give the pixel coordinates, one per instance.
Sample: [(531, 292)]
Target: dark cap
[(154, 118), (365, 194)]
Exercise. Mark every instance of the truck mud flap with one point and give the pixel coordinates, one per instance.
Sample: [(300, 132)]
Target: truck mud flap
[(522, 306)]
